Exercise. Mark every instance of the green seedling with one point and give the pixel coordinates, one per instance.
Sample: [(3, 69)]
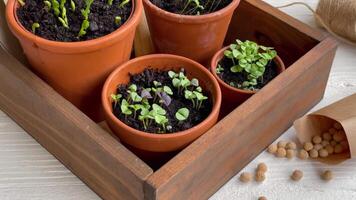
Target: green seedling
[(84, 27), (85, 12), (145, 117), (251, 59), (182, 114), (219, 69), (123, 3), (72, 5), (116, 98), (35, 26), (110, 2), (196, 7), (48, 4), (21, 2), (159, 116), (135, 97), (117, 20), (181, 82), (190, 96), (135, 108), (125, 108), (199, 98), (55, 7), (64, 19)]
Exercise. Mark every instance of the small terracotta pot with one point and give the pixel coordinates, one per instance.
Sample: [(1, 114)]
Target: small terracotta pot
[(194, 37), (77, 70), (233, 97), (160, 142)]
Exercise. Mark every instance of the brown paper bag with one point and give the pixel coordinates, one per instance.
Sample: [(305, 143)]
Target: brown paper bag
[(316, 123)]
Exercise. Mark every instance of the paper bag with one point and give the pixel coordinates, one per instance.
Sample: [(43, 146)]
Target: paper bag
[(316, 123)]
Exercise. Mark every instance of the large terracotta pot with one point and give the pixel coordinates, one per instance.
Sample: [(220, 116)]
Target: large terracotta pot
[(233, 97), (77, 70), (160, 142), (194, 37)]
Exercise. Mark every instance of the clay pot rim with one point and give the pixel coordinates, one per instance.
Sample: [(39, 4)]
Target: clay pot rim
[(218, 56), (215, 110), (192, 19), (81, 46)]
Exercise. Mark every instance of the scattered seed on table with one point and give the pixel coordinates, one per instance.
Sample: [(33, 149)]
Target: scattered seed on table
[(297, 175), (290, 153), (281, 144), (327, 175), (318, 147), (245, 177), (330, 149), (313, 153), (339, 136), (332, 131), (303, 154), (308, 146), (327, 136), (272, 148), (262, 198), (323, 153), (291, 145), (260, 176), (262, 167), (337, 126), (281, 152), (317, 139), (338, 148)]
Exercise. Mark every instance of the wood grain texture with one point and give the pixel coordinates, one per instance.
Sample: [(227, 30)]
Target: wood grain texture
[(85, 148)]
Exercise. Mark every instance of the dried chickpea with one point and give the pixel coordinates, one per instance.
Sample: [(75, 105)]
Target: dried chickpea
[(318, 147), (291, 145), (339, 136), (327, 136), (297, 175), (272, 148), (333, 143), (262, 167), (281, 144), (332, 131), (337, 126), (330, 149), (324, 143), (262, 198), (303, 154), (281, 152), (323, 153), (245, 177), (260, 176), (290, 153), (344, 144), (327, 175), (308, 146), (338, 148), (313, 153), (317, 139)]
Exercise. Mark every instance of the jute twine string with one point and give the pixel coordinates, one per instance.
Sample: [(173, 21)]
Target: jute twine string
[(338, 17)]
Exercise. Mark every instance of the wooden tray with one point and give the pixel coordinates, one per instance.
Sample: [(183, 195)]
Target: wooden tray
[(114, 172)]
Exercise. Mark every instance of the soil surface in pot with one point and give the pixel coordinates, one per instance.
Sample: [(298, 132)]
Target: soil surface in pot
[(235, 79), (101, 19), (185, 7), (146, 80)]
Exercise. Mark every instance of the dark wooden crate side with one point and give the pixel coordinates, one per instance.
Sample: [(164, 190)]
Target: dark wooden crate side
[(199, 170), (87, 150)]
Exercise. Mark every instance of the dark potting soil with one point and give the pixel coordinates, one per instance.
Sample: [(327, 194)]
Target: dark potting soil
[(238, 78), (101, 18), (145, 80), (177, 6)]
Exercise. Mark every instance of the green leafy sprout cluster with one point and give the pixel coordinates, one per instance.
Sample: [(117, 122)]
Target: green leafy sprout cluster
[(249, 58), (137, 104), (189, 88), (197, 7)]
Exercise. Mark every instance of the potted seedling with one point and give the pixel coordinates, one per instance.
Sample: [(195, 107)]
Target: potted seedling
[(191, 28), (75, 44), (242, 69), (160, 102)]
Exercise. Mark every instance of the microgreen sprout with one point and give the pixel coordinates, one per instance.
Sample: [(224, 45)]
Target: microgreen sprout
[(21, 2), (251, 59), (123, 3), (110, 2), (116, 98), (72, 5), (55, 6), (182, 114), (117, 20), (85, 12), (125, 107), (158, 114), (35, 26), (196, 7), (219, 69), (179, 80), (48, 4)]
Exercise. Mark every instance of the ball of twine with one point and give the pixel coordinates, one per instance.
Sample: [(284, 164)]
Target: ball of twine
[(338, 17)]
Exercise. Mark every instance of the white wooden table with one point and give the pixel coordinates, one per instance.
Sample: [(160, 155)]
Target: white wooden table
[(28, 171)]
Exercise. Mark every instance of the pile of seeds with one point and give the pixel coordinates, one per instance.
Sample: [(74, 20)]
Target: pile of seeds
[(283, 149), (260, 174)]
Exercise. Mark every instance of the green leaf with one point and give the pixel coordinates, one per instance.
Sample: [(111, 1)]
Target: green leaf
[(200, 96), (167, 90), (228, 54), (185, 82), (198, 89), (158, 109), (182, 114), (236, 69), (195, 82), (135, 97), (125, 107), (176, 82), (35, 26), (161, 119), (172, 74), (189, 94), (133, 88), (235, 53)]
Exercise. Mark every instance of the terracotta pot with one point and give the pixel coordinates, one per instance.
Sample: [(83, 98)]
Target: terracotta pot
[(233, 97), (160, 142), (194, 37), (77, 70)]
